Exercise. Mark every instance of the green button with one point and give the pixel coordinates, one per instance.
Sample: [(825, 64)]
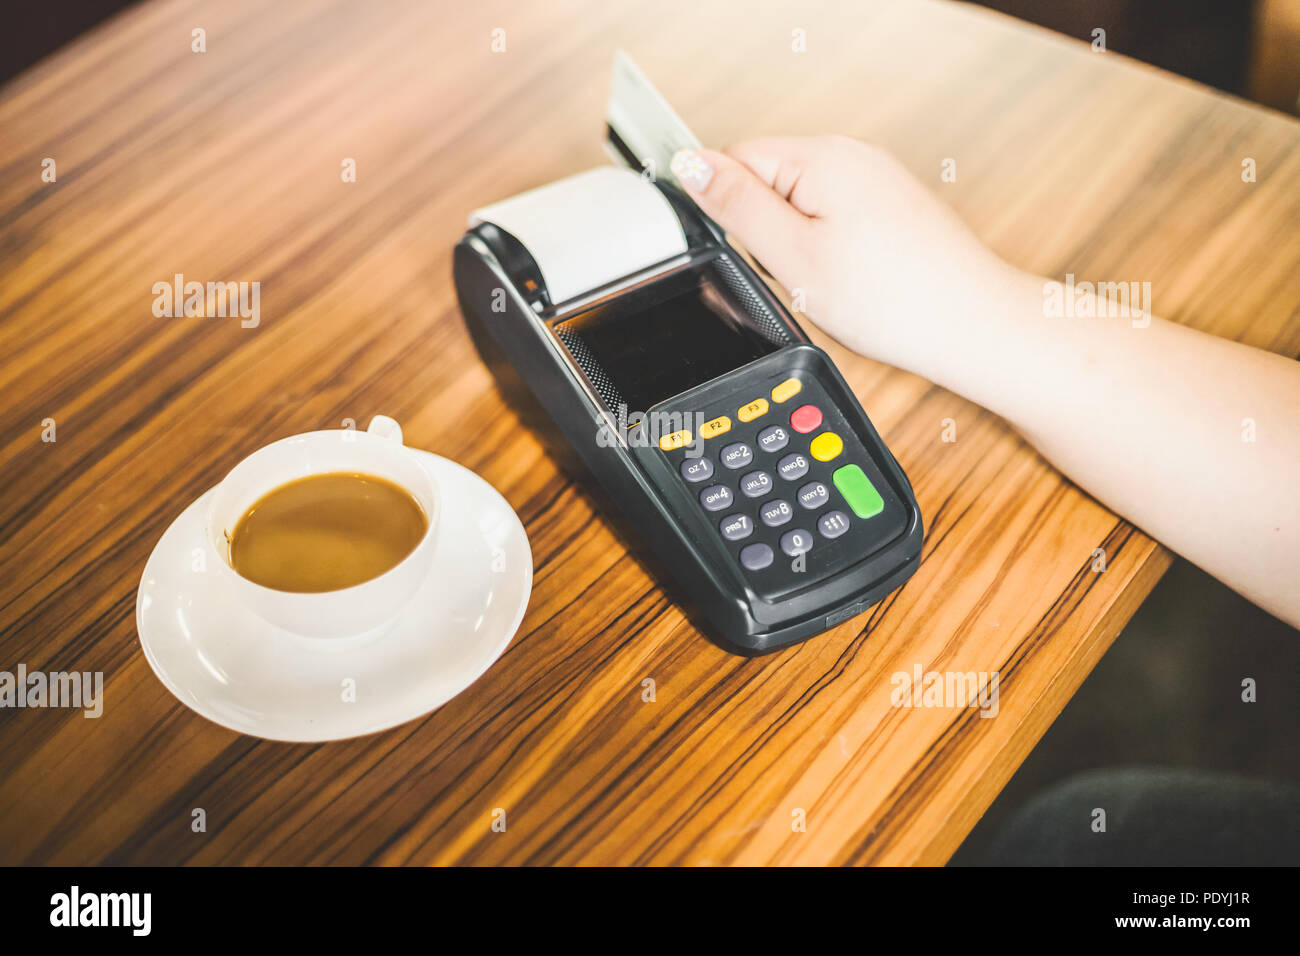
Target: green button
[(858, 491)]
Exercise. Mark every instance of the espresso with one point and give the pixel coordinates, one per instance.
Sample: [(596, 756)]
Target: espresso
[(326, 532)]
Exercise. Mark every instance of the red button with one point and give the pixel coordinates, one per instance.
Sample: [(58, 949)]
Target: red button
[(806, 418)]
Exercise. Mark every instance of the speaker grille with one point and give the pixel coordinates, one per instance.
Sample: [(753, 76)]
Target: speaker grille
[(764, 321), (594, 371)]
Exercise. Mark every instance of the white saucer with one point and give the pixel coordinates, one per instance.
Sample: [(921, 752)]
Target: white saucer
[(233, 668)]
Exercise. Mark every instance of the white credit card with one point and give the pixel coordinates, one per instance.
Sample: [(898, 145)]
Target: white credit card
[(645, 132)]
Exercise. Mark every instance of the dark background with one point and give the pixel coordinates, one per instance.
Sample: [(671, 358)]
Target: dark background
[(33, 30), (1247, 47)]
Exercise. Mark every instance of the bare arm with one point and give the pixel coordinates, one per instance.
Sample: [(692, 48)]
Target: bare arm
[(1194, 438)]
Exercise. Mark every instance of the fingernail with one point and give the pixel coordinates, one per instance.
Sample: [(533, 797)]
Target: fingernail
[(691, 169)]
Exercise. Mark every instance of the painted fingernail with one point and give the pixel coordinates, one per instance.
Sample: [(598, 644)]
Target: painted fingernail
[(691, 169)]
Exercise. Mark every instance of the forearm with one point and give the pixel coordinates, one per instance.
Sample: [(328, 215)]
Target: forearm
[(1207, 461)]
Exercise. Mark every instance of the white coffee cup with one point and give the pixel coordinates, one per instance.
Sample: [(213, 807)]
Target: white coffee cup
[(355, 611)]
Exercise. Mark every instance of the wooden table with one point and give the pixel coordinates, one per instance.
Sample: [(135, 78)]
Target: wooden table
[(225, 165)]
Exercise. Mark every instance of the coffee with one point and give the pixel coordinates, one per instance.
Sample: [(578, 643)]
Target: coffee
[(326, 532)]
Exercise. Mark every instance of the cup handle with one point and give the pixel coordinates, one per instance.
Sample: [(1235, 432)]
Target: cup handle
[(381, 426)]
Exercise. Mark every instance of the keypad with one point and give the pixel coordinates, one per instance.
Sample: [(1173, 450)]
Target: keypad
[(783, 480)]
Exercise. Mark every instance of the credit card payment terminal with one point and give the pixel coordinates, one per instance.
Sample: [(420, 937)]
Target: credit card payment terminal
[(733, 444)]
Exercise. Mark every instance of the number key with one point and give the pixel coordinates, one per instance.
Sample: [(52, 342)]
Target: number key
[(776, 513), (737, 455), (792, 467), (756, 484), (813, 495), (773, 438), (796, 542), (736, 527), (697, 469), (716, 497)]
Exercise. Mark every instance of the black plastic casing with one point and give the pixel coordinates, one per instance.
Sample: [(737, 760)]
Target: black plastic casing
[(498, 284)]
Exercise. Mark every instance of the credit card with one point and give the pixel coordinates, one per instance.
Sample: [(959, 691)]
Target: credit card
[(644, 131)]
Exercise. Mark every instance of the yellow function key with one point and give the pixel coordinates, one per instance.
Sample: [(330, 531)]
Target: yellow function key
[(786, 390), (826, 446), (751, 411), (716, 427), (675, 440)]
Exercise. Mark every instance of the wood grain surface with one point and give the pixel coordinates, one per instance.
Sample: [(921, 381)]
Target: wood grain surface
[(225, 166)]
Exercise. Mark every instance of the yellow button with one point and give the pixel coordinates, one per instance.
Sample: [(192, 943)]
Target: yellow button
[(716, 427), (676, 440), (826, 446), (751, 411), (786, 390)]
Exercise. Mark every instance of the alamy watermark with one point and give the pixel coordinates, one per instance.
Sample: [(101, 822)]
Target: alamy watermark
[(1098, 300), (948, 689), (75, 689), (675, 429), (178, 298), (75, 908)]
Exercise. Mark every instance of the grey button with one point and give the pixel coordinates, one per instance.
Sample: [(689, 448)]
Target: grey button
[(833, 524), (736, 527), (716, 497), (773, 438), (796, 542), (756, 557), (776, 513), (792, 467), (756, 484), (813, 495), (697, 469), (737, 455)]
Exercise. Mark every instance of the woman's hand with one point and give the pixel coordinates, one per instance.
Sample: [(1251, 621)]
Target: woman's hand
[(867, 252)]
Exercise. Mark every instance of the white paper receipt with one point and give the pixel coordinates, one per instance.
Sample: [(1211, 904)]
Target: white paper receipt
[(590, 229)]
